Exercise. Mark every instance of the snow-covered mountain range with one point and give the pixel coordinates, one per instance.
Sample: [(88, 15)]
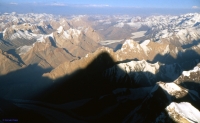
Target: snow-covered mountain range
[(178, 30)]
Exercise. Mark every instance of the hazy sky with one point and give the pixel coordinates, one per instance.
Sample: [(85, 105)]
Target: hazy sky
[(101, 6)]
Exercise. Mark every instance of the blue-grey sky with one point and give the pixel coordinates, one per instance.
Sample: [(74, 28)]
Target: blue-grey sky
[(137, 7)]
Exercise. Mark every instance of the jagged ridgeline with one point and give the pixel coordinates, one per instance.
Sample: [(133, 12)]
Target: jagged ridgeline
[(100, 68)]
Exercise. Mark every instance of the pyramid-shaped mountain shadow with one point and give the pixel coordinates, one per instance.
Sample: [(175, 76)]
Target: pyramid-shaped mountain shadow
[(86, 96), (83, 83), (89, 82)]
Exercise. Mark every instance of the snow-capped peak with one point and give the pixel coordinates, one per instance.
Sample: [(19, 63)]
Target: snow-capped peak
[(129, 42), (74, 32)]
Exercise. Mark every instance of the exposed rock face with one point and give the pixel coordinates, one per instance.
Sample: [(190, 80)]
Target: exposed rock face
[(46, 54)]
